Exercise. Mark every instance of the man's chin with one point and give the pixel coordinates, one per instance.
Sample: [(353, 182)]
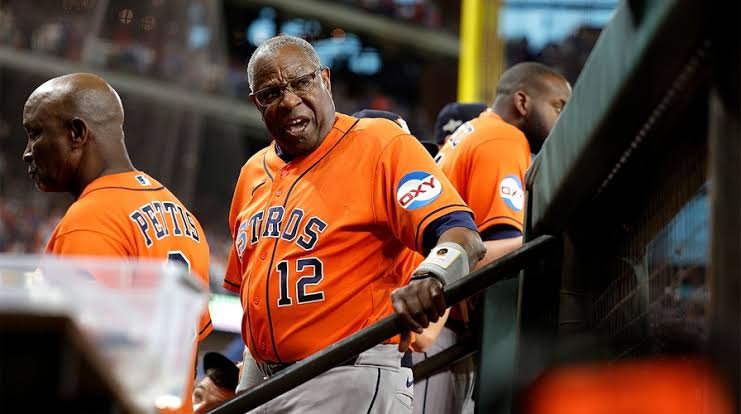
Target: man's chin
[(296, 146), (46, 188)]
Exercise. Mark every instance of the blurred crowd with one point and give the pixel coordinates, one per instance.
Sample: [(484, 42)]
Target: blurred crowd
[(162, 40), (567, 56), (177, 43), (435, 14), (24, 226)]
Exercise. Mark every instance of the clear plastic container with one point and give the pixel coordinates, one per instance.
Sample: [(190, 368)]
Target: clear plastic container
[(140, 316)]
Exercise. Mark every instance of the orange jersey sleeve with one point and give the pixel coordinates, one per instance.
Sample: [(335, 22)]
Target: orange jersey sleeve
[(232, 278), (233, 275), (410, 191), (487, 164), (245, 188)]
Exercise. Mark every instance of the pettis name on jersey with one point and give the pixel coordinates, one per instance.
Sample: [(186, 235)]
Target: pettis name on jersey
[(160, 219)]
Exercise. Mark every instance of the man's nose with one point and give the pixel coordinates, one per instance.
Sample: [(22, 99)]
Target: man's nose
[(289, 99), (27, 154)]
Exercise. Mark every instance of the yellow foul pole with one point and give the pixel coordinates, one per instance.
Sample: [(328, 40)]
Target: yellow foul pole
[(481, 51), (469, 69)]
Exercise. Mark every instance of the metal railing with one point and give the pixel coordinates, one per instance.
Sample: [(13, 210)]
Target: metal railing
[(506, 267), (444, 359)]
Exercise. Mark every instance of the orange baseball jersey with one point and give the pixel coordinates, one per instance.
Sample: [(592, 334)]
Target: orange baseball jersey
[(486, 160), (132, 215), (321, 241)]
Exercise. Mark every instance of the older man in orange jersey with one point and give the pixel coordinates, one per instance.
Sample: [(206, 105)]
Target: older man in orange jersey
[(323, 220), (76, 144)]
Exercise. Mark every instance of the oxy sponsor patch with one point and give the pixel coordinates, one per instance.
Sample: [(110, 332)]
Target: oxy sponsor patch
[(418, 189), (510, 189)]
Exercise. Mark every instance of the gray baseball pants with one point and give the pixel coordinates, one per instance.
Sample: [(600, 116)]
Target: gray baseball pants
[(376, 383)]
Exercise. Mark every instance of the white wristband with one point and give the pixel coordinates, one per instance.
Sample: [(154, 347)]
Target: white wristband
[(447, 262)]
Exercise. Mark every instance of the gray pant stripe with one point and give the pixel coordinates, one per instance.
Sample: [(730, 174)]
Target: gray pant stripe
[(375, 394), (424, 400)]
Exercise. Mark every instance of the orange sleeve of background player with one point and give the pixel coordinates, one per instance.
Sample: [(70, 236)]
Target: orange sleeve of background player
[(506, 164), (410, 191), (490, 176), (233, 275), (205, 326)]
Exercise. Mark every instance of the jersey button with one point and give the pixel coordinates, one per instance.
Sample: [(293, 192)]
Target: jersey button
[(256, 300), (263, 256), (277, 193), (284, 173), (262, 346)]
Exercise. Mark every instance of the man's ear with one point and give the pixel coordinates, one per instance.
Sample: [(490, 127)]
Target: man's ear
[(259, 108), (79, 132), (521, 102), (326, 80), (254, 102)]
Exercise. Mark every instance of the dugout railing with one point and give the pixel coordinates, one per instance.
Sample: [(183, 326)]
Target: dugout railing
[(504, 268), (639, 180), (635, 193)]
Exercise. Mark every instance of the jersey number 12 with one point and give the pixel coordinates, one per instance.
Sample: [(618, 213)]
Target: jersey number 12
[(309, 280)]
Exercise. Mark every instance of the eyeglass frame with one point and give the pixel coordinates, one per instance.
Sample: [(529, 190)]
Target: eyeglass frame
[(285, 86)]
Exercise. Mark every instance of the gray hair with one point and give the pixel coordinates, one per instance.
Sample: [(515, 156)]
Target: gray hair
[(272, 45)]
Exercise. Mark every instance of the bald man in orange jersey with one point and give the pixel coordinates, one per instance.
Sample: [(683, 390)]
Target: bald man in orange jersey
[(494, 150), (486, 159), (76, 144)]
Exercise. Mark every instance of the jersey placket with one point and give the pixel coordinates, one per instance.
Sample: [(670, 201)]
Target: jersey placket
[(278, 197), (251, 303), (284, 179)]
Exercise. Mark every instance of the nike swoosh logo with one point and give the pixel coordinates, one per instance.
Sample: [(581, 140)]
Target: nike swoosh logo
[(409, 383)]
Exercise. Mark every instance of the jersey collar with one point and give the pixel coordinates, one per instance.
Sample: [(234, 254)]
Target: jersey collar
[(134, 180), (341, 125), (490, 114)]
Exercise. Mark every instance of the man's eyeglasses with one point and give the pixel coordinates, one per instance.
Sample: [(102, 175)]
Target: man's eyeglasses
[(298, 86)]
